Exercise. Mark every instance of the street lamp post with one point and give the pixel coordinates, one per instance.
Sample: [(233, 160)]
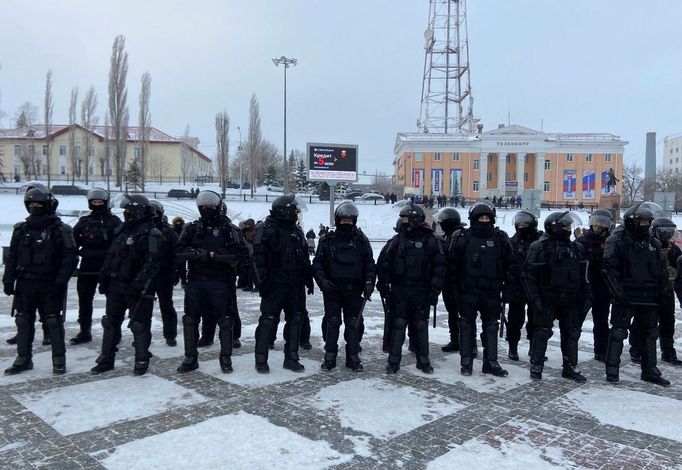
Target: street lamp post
[(286, 62), (240, 148)]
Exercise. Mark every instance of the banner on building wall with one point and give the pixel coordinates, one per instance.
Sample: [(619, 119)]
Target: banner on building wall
[(417, 180), (436, 181), (589, 182), (455, 182), (604, 180), (570, 182)]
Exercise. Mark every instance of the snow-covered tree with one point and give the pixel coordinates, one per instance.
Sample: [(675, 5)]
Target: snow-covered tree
[(301, 176), (270, 176), (134, 175)]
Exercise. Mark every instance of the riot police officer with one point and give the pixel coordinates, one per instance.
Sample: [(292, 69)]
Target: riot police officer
[(42, 257), (663, 229), (451, 223), (345, 272), (555, 276), (283, 268), (526, 227), (637, 279), (410, 272), (127, 281), (93, 235), (168, 275), (481, 257), (214, 250), (594, 242)]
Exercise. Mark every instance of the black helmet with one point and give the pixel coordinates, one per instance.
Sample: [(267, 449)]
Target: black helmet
[(346, 210), (97, 194), (645, 211), (39, 195), (285, 208), (558, 224), (601, 218), (525, 217), (415, 215), (449, 219), (135, 206), (157, 208), (209, 204), (37, 184), (663, 228), (482, 208)]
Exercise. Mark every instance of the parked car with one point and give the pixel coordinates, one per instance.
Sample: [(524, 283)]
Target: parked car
[(371, 196), (179, 194), (232, 185), (275, 188), (68, 190), (352, 195), (246, 185)]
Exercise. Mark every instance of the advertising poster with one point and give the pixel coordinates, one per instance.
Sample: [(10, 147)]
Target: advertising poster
[(455, 182), (589, 184), (570, 182), (332, 162), (417, 180), (436, 181)]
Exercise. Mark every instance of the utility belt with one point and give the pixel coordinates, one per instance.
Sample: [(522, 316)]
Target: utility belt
[(35, 276), (211, 277)]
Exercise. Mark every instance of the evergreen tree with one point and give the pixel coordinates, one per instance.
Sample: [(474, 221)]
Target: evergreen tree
[(300, 176), (270, 177), (134, 175)]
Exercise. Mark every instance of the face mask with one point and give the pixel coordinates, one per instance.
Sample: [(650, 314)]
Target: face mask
[(483, 226), (40, 210), (525, 232), (642, 230), (564, 235), (208, 212)]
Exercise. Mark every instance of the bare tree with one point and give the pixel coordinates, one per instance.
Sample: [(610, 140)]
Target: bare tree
[(185, 155), (632, 183), (222, 138), (106, 161), (2, 116), (26, 115), (73, 153), (118, 107), (253, 144), (89, 121), (158, 167), (48, 123), (145, 122)]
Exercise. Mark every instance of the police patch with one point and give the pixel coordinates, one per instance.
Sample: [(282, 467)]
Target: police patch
[(490, 243)]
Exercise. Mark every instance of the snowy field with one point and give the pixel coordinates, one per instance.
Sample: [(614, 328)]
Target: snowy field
[(208, 420)]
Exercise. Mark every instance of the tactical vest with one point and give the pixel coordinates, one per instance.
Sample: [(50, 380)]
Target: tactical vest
[(642, 269), (38, 252), (347, 257), (672, 269), (127, 255), (483, 263), (563, 271), (412, 262), (219, 238)]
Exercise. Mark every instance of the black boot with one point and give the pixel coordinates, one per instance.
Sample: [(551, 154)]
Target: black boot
[(452, 346), (424, 365), (570, 372), (264, 333), (329, 362), (331, 344), (569, 348), (12, 340), (226, 324), (190, 332), (226, 364), (292, 340), (513, 352), (392, 368), (635, 356), (55, 326), (83, 336), (654, 376), (536, 371), (188, 364), (422, 337), (236, 344), (467, 344), (397, 340), (489, 340), (20, 365), (111, 335), (24, 347), (614, 349), (172, 342), (670, 356), (293, 365), (494, 368)]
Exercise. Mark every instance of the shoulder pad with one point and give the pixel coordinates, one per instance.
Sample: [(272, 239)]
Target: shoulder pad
[(19, 225)]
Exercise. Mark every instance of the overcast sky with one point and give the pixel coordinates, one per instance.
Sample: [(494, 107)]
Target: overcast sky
[(573, 65)]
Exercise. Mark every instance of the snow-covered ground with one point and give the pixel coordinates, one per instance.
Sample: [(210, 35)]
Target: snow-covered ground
[(207, 419)]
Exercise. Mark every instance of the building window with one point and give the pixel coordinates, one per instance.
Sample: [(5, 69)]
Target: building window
[(507, 175), (417, 157), (607, 157), (525, 159), (475, 188), (62, 151), (677, 159), (677, 149), (436, 156), (548, 165), (91, 151), (671, 150), (17, 150), (569, 157), (136, 152), (490, 176), (32, 150), (508, 158), (44, 150), (588, 158), (455, 157), (63, 170), (525, 177), (477, 164), (546, 186)]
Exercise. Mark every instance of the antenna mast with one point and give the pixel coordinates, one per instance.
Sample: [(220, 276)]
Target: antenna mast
[(446, 101)]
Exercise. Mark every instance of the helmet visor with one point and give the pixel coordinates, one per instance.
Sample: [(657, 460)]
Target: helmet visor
[(666, 233), (600, 221), (208, 198), (523, 218), (649, 210)]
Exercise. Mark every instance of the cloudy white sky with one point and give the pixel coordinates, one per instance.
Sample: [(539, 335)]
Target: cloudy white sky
[(572, 65)]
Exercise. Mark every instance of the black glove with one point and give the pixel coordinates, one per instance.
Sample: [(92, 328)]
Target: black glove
[(327, 286), (433, 297), (384, 289), (199, 255), (9, 288), (369, 289)]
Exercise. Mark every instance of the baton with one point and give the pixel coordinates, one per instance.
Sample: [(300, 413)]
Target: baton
[(434, 315), (503, 320), (356, 325)]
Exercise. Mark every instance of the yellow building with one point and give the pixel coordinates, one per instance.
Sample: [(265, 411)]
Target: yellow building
[(23, 153), (507, 160)]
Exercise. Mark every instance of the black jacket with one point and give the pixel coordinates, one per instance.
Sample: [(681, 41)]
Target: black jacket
[(94, 234)]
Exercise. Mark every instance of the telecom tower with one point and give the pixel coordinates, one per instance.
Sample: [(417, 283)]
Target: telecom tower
[(447, 102)]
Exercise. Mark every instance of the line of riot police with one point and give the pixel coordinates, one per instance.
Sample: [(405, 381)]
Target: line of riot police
[(479, 270)]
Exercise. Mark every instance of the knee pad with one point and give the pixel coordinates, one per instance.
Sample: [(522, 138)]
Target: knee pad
[(400, 323), (225, 322), (267, 320), (543, 333), (106, 322), (422, 325), (187, 321), (619, 334), (21, 321), (335, 322), (53, 321), (296, 318), (137, 328)]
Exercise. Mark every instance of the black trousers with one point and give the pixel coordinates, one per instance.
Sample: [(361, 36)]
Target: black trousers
[(275, 299), (519, 312), (645, 334), (36, 296), (568, 313), (342, 305), (452, 306), (209, 322), (409, 306), (489, 305), (163, 287), (601, 309), (86, 285), (666, 321)]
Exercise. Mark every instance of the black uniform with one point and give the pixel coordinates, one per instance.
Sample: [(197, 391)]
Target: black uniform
[(481, 257), (42, 257), (594, 245), (410, 274), (451, 296), (127, 281), (556, 279), (344, 270), (210, 289), (166, 278), (283, 268), (637, 279), (93, 234), (515, 295)]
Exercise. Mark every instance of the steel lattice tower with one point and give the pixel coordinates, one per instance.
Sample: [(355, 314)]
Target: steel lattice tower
[(447, 102)]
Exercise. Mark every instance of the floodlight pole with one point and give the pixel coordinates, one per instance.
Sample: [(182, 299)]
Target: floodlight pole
[(287, 62)]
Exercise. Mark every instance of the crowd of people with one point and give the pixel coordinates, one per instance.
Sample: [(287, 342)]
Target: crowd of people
[(627, 276)]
